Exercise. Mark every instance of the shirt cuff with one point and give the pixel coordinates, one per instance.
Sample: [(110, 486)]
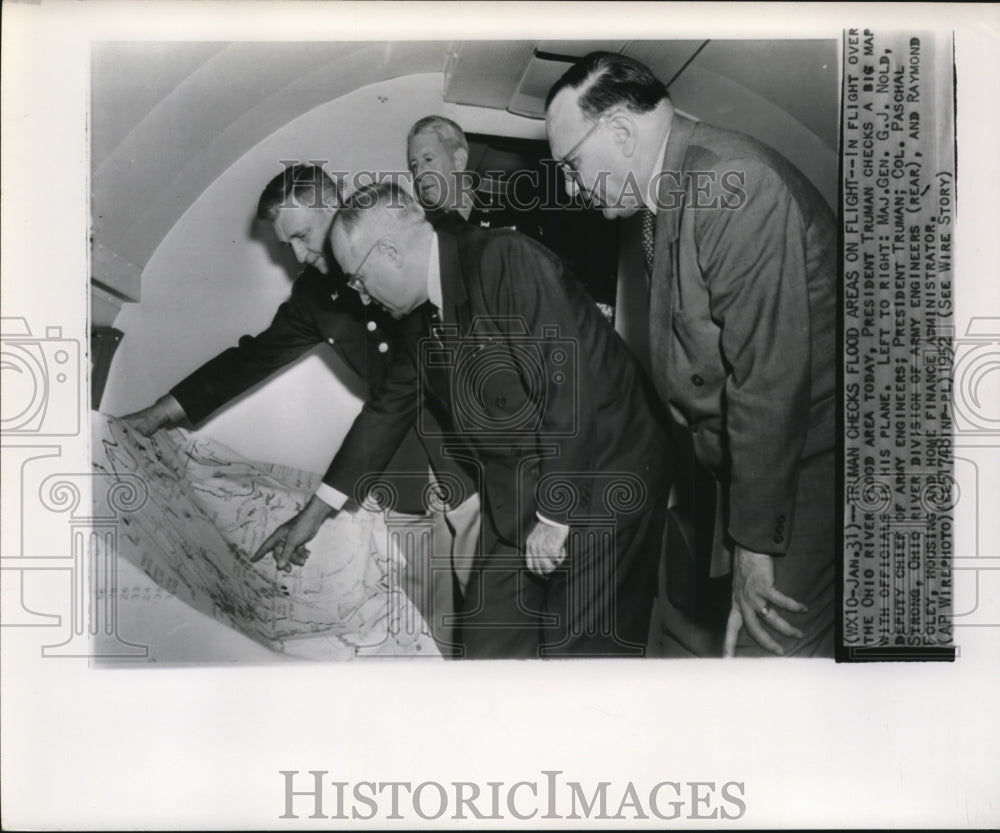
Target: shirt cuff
[(330, 496), (174, 409), (545, 520)]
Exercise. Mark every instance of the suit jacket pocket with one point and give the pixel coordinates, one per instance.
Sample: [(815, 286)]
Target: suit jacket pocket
[(698, 381)]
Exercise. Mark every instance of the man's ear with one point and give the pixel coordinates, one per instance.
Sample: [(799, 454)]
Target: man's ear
[(333, 235), (391, 249), (625, 133), (461, 159)]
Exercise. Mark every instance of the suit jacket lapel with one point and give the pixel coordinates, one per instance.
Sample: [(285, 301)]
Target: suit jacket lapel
[(671, 188), (671, 196), (454, 301), (454, 296)]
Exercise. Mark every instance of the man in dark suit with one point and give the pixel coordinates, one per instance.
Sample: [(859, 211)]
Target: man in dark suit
[(532, 385), (300, 205), (741, 258)]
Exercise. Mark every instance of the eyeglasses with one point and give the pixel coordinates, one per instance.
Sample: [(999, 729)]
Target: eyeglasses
[(564, 165), (354, 279)]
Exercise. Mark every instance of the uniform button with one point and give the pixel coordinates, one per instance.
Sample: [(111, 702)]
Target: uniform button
[(781, 519), (697, 380), (501, 402), (330, 340), (383, 347), (779, 539), (372, 326)]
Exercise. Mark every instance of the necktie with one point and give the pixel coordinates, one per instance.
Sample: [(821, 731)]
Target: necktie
[(648, 221), (432, 317), (434, 362)]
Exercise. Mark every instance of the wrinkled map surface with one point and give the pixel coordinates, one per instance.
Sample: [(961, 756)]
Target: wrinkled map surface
[(209, 509)]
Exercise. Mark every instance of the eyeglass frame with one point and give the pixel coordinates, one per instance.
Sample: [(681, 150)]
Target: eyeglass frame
[(563, 164), (353, 279)]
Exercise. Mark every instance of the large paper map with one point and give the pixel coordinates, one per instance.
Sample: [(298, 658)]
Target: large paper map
[(208, 509)]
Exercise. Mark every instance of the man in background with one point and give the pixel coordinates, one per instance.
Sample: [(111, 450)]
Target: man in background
[(437, 154), (740, 254), (300, 205)]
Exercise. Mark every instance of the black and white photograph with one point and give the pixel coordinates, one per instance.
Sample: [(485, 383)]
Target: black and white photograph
[(555, 443), (652, 359)]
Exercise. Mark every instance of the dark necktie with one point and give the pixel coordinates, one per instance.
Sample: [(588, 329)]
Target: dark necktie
[(432, 362), (434, 319), (648, 221)]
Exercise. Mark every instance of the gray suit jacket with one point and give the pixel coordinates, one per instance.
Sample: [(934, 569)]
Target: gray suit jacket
[(743, 325)]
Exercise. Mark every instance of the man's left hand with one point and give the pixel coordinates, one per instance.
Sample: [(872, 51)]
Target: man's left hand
[(545, 549), (756, 601)]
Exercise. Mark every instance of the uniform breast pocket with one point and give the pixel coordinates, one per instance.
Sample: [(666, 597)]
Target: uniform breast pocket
[(697, 374)]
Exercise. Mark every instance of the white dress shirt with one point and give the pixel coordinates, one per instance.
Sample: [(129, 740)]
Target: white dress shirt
[(649, 199)]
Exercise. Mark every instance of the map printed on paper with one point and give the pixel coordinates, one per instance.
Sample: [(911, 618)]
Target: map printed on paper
[(209, 510)]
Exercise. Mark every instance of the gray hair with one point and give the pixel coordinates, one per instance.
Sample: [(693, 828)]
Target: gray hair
[(452, 136), (384, 202)]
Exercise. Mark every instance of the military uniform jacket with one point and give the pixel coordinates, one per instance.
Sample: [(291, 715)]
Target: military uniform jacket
[(320, 310)]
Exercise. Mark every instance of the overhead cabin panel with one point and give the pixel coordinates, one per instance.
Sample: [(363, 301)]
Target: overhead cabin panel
[(486, 74)]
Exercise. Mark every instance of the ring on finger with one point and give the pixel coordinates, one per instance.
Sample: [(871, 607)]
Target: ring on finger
[(762, 613)]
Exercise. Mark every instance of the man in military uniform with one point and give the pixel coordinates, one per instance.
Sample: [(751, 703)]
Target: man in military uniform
[(300, 205)]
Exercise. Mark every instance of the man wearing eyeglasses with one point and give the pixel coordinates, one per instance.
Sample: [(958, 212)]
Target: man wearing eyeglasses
[(533, 386), (300, 205), (740, 261)]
